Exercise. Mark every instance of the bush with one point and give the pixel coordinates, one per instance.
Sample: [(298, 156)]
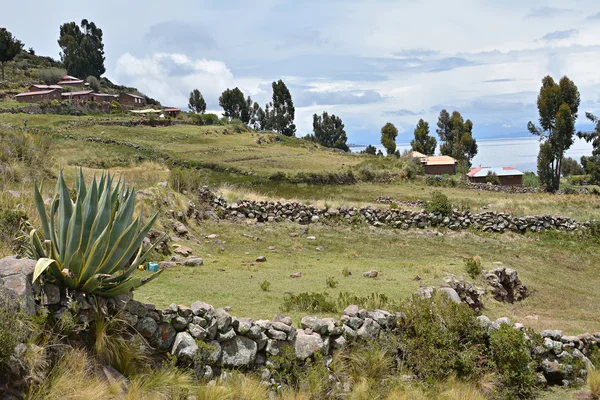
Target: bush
[(473, 267), (593, 381), (441, 339), (510, 354), (204, 119), (93, 82), (530, 180), (51, 76), (346, 272), (182, 179), (331, 282), (492, 178), (439, 203), (11, 230), (309, 302), (265, 286)]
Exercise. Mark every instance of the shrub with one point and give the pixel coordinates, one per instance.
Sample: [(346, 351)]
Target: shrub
[(51, 76), (311, 376), (278, 176), (510, 354), (331, 282), (530, 180), (204, 119), (93, 82), (11, 229), (371, 302), (473, 266), (441, 339), (346, 272), (100, 262), (308, 302), (265, 286), (492, 178), (182, 179), (439, 203)]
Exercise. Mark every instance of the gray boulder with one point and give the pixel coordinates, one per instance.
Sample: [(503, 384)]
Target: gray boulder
[(163, 337), (223, 319), (184, 347), (307, 345), (146, 327), (369, 329), (238, 352), (451, 294)]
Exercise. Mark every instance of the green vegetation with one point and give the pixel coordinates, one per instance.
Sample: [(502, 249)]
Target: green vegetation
[(93, 238), (196, 103), (439, 203), (82, 50), (456, 136), (10, 46), (473, 267), (388, 137), (423, 143), (328, 131)]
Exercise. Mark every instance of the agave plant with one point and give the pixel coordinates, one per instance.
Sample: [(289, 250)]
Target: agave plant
[(88, 245)]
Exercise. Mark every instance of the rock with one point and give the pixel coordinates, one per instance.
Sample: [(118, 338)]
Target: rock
[(212, 236), (131, 319), (184, 347), (183, 250), (179, 323), (283, 319), (451, 294), (163, 337), (314, 324), (369, 329), (500, 321), (296, 275), (193, 261), (339, 342), (163, 185), (320, 248), (14, 193), (311, 238), (197, 331), (243, 325), (553, 372), (50, 294), (238, 352), (274, 347), (351, 311), (181, 229), (307, 345), (261, 259), (17, 275), (552, 334), (276, 335), (314, 218), (349, 333), (167, 264), (223, 319), (214, 354), (200, 308), (146, 327), (227, 335), (371, 274)]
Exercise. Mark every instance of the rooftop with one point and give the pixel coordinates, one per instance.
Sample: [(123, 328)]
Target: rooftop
[(69, 94), (47, 86), (480, 172), (39, 92), (440, 160), (69, 81)]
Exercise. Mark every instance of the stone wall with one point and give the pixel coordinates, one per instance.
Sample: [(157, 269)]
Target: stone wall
[(263, 211), (212, 339)]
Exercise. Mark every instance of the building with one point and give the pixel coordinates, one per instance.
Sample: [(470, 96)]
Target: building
[(81, 96), (508, 176), (132, 100), (172, 111), (72, 82), (103, 97), (439, 165), (39, 96), (38, 88)]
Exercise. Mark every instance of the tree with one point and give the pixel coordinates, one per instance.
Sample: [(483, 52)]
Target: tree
[(234, 105), (329, 131), (82, 51), (370, 149), (388, 137), (196, 103), (545, 162), (456, 136), (9, 47), (592, 164), (283, 109), (423, 143), (557, 107), (570, 166)]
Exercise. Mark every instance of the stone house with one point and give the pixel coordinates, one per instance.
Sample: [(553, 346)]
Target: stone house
[(81, 96), (39, 96), (508, 176), (38, 88), (131, 100)]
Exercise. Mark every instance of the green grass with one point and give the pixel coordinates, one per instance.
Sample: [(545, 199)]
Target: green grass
[(561, 271), (11, 104)]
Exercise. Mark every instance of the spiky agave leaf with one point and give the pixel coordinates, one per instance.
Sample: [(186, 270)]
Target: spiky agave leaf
[(93, 238)]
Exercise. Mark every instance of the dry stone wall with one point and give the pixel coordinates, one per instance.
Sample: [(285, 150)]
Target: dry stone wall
[(263, 211)]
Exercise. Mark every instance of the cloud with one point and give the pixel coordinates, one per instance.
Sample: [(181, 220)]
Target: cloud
[(409, 53), (594, 16), (450, 63), (403, 112), (180, 37), (311, 98), (170, 77), (549, 12), (499, 80), (559, 35)]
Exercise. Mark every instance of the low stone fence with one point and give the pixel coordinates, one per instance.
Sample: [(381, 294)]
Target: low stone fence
[(211, 339), (263, 211)]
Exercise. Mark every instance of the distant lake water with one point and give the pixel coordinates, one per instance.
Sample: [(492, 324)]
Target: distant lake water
[(520, 153)]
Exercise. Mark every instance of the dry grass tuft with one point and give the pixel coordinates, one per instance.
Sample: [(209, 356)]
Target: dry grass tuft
[(593, 382)]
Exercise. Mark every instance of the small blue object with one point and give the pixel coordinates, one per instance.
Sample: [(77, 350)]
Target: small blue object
[(152, 266)]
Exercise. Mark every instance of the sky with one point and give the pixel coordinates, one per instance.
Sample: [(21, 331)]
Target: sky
[(369, 62)]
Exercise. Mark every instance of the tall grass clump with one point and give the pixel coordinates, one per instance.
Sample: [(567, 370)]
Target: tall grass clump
[(187, 179), (593, 383), (23, 157)]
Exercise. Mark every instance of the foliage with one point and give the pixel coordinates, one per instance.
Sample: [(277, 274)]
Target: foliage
[(205, 119), (388, 137), (11, 229), (308, 302), (440, 339), (311, 376), (346, 272), (23, 156), (11, 329), (510, 354), (492, 178), (439, 203), (50, 76), (530, 180), (592, 167), (473, 266), (182, 179), (331, 282), (370, 149), (283, 110), (570, 166), (593, 382), (558, 105), (456, 136), (329, 131), (196, 103), (372, 301), (82, 50), (92, 239), (545, 166), (423, 143), (9, 47), (265, 286), (93, 82), (234, 105)]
